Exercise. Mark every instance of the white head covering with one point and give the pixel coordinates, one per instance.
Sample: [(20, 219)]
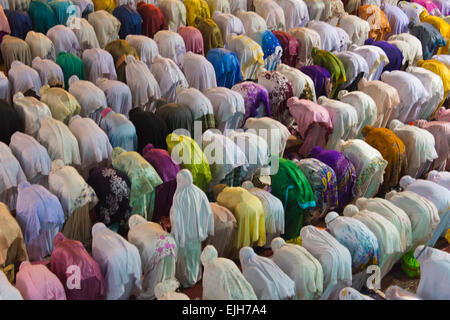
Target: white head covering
[(165, 290), (7, 290), (440, 177)]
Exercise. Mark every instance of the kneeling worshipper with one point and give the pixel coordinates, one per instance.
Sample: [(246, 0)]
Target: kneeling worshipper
[(222, 279), (212, 37), (7, 290), (11, 122), (249, 54), (95, 148), (12, 250), (42, 15), (49, 72), (186, 152), (37, 282), (146, 48), (69, 257), (112, 188), (40, 45), (388, 237), (256, 99), (274, 132), (152, 18), (158, 252), (167, 170), (40, 217), (98, 63), (199, 104), (150, 128), (19, 21), (11, 175), (106, 26), (174, 13), (118, 95), (434, 273), (171, 45), (176, 116), (192, 221), (24, 79), (440, 177), (84, 32), (119, 261), (369, 165), (273, 211), (443, 114), (359, 240), (301, 266), (120, 49), (344, 170), (393, 151), (29, 110), (76, 198), (15, 49), (420, 147), (199, 72), (249, 213), (225, 229), (271, 48), (335, 259), (290, 185), (59, 141), (143, 177), (267, 279), (62, 104), (64, 40), (169, 76), (271, 12), (70, 65), (165, 290), (439, 195), (227, 23), (226, 67), (121, 132), (130, 20)]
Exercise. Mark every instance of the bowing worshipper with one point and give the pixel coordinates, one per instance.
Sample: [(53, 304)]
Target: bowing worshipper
[(150, 128), (165, 290), (192, 221), (143, 177), (249, 213), (321, 79), (95, 148), (295, 13), (83, 7), (196, 8), (443, 114), (11, 175), (199, 72), (199, 105), (24, 79), (218, 6), (290, 185), (106, 26), (112, 188), (169, 76), (12, 121), (267, 279), (19, 22), (225, 229), (118, 95), (119, 261), (71, 65), (280, 90), (152, 19), (121, 132), (378, 21), (329, 36), (274, 132), (442, 26), (211, 34), (228, 107), (37, 282), (302, 84), (64, 40), (49, 72), (386, 98), (98, 63), (249, 54), (408, 53), (433, 85), (349, 293), (333, 65), (84, 32), (104, 5), (193, 39), (356, 68), (414, 45), (186, 152), (440, 177), (412, 93), (120, 49), (91, 98), (434, 273), (40, 45), (42, 15), (130, 20), (171, 45), (63, 10), (176, 116), (301, 267), (441, 132), (393, 151), (252, 21), (429, 37), (76, 198), (365, 106), (343, 117), (313, 123), (272, 13), (441, 70), (71, 254), (369, 165), (271, 48), (273, 211), (335, 259), (228, 23), (167, 169), (7, 290), (420, 151), (398, 20), (158, 253), (357, 29), (146, 48), (174, 13), (256, 99), (375, 57), (32, 156), (61, 103), (439, 195), (344, 170), (307, 39), (30, 111), (222, 279)]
